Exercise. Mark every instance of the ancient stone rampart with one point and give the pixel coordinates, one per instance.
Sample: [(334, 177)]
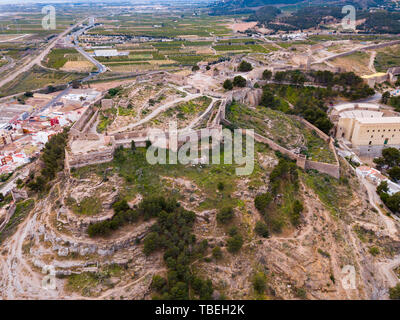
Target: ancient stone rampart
[(301, 161)]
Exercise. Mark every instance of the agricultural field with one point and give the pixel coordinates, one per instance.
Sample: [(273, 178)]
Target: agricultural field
[(18, 51), (179, 41), (164, 25), (283, 129), (31, 23), (242, 48), (160, 55), (68, 60), (37, 78)]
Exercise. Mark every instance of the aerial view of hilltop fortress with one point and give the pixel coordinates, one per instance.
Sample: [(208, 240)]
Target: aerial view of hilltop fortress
[(213, 150)]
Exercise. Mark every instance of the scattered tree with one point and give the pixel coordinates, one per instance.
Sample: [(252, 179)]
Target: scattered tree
[(239, 81), (228, 84), (261, 229), (245, 66), (259, 282), (267, 74), (217, 253), (225, 215), (234, 244)]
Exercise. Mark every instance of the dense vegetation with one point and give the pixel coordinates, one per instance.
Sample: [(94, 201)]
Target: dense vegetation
[(173, 233), (310, 17), (281, 202), (317, 16), (380, 22), (390, 163), (391, 201), (309, 101), (22, 209), (52, 160), (265, 14), (391, 100)]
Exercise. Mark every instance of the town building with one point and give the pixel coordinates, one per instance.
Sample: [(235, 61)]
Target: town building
[(5, 137), (367, 129)]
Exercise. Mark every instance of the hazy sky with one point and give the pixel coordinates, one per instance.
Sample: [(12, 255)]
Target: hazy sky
[(66, 1)]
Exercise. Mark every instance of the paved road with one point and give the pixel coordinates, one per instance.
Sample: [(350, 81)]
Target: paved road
[(16, 38), (100, 68), (39, 58)]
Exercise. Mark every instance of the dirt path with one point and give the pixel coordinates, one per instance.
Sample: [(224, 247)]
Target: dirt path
[(387, 222), (156, 112), (372, 62)]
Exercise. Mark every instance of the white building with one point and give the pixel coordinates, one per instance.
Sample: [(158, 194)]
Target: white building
[(109, 53)]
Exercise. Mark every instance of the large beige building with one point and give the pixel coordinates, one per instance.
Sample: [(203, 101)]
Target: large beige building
[(367, 130)]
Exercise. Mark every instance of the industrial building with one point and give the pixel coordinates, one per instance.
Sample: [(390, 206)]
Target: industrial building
[(14, 112), (109, 53)]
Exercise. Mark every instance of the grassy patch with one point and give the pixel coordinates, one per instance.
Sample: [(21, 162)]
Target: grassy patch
[(58, 57), (21, 211), (284, 129), (328, 190), (387, 58), (88, 206), (146, 179)]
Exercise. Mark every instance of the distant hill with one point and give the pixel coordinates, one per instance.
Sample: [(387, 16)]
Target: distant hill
[(226, 7), (383, 22), (265, 14), (244, 6)]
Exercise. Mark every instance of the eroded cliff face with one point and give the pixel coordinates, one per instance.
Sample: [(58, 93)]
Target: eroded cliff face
[(338, 229)]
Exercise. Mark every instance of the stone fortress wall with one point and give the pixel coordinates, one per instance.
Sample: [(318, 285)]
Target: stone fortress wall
[(246, 95), (328, 168)]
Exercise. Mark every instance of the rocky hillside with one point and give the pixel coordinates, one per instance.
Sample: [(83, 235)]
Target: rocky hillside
[(280, 233)]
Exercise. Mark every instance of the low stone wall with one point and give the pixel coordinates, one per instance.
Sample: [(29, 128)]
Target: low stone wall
[(130, 135), (274, 146), (79, 125), (328, 168), (91, 121), (309, 125), (81, 160)]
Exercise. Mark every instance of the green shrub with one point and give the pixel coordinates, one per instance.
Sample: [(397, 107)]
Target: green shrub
[(374, 251), (225, 215), (245, 66), (235, 243), (228, 84), (259, 282), (394, 293), (261, 229), (217, 253)]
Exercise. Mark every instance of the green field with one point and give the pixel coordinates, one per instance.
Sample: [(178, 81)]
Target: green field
[(58, 57)]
